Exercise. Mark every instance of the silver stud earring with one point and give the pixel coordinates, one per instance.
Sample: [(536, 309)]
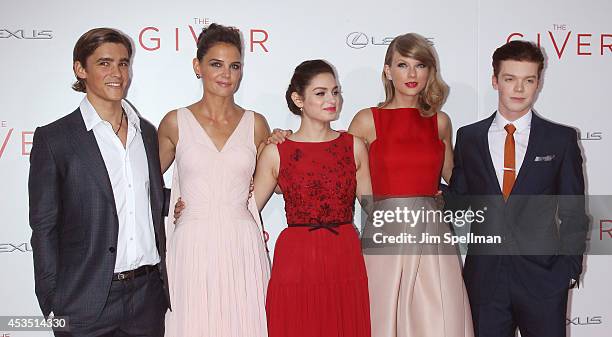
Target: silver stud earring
[(198, 76)]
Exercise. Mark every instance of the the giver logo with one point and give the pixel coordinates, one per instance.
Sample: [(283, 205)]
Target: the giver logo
[(562, 41), (153, 38), (9, 134), (605, 229)]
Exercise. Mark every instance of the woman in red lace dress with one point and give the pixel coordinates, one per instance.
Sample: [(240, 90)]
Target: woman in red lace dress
[(318, 285)]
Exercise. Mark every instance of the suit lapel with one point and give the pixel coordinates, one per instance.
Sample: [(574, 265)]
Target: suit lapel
[(154, 171), (486, 155), (86, 147), (535, 138), (155, 185)]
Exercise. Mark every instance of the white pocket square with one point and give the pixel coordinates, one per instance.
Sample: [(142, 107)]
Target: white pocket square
[(545, 158)]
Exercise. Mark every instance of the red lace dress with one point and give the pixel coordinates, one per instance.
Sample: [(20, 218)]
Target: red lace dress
[(318, 285)]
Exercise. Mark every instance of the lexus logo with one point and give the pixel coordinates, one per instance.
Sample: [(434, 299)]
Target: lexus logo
[(22, 247), (26, 34), (357, 40), (588, 320), (591, 135)]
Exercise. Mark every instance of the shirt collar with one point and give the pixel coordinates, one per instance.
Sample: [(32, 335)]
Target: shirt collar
[(91, 117), (520, 124)]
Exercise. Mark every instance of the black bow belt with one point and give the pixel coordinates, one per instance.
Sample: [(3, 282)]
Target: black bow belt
[(330, 226)]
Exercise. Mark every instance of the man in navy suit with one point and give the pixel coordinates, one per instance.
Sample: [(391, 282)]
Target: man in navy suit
[(95, 192), (528, 173)]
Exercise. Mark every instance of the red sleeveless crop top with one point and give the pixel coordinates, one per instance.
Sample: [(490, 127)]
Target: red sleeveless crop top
[(407, 156)]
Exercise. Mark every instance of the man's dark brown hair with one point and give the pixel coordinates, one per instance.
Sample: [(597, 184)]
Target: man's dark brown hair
[(89, 42), (518, 51)]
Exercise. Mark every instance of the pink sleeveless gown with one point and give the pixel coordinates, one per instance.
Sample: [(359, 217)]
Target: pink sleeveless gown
[(218, 267)]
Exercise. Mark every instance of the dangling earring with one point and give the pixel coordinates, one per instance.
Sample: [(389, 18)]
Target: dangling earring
[(198, 76)]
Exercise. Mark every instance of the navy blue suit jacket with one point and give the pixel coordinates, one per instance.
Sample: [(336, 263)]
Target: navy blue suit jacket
[(545, 254)]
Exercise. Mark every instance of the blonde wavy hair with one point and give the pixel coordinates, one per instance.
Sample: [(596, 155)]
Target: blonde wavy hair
[(414, 46)]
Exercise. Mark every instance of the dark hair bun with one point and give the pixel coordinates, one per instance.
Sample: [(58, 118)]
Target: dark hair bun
[(303, 74), (216, 33)]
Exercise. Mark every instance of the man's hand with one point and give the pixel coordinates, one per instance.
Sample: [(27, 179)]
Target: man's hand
[(178, 209), (439, 197), (574, 284)]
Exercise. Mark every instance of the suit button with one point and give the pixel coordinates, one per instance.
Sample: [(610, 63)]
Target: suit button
[(111, 249)]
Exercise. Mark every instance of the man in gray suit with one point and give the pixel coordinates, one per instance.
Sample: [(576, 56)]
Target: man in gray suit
[(95, 194)]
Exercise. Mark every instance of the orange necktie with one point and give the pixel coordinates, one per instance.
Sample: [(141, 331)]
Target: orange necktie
[(509, 162)]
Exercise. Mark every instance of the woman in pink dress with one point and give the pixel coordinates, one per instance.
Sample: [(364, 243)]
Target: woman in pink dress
[(218, 267)]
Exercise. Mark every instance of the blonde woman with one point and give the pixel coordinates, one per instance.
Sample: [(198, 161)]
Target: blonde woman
[(415, 289)]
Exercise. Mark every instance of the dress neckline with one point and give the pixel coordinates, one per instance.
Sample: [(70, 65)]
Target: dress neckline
[(408, 109), (323, 142), (207, 136)]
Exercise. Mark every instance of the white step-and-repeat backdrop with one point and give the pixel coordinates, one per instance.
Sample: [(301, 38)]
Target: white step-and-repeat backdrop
[(37, 38)]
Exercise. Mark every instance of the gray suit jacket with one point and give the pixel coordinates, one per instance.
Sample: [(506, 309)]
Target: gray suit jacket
[(74, 218)]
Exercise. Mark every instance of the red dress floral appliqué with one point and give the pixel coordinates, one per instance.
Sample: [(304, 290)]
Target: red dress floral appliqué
[(318, 285)]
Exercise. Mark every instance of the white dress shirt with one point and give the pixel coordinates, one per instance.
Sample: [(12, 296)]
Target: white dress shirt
[(128, 171), (497, 141)]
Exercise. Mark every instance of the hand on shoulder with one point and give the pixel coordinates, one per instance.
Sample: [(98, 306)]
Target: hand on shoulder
[(278, 136)]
